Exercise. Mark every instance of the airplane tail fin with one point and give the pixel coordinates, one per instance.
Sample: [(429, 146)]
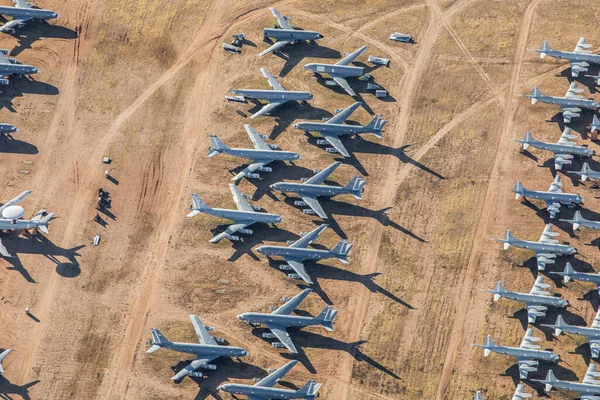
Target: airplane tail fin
[(326, 318), (585, 168), (44, 221), (518, 190), (356, 186), (158, 341), (376, 126), (341, 251), (527, 140), (577, 220), (309, 390), (544, 50), (498, 290), (216, 146), (550, 379), (535, 93), (595, 122), (197, 206), (560, 323), (2, 357), (568, 272), (508, 238), (489, 343)]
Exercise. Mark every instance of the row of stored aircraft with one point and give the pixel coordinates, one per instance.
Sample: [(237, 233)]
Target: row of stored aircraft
[(547, 248)]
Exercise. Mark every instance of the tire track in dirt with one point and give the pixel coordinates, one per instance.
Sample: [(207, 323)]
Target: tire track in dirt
[(479, 239)]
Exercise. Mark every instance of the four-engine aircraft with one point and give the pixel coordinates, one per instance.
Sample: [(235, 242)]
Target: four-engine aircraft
[(286, 34)]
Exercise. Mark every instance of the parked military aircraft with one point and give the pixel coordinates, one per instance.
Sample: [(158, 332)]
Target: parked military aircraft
[(286, 34), (592, 333), (261, 155), (340, 70), (527, 354), (580, 58), (2, 357), (588, 389), (313, 188), (595, 124), (9, 66), (569, 273), (297, 252), (7, 129), (280, 319), (11, 219), (546, 249), (553, 198), (520, 393), (206, 351), (571, 104), (478, 396), (275, 97), (578, 221), (564, 150), (536, 300), (332, 129), (586, 172), (23, 12), (264, 390), (243, 217)]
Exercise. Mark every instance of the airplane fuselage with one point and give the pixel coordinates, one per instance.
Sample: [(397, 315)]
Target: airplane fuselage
[(260, 391), (206, 349), (576, 387), (17, 69), (338, 129), (283, 320), (255, 154), (535, 299), (551, 197), (590, 174), (11, 224), (335, 70), (565, 102), (588, 224), (293, 252), (568, 55), (236, 215), (591, 333), (525, 353), (273, 95), (34, 13), (562, 149), (291, 34), (310, 189), (560, 249), (8, 128), (585, 277)]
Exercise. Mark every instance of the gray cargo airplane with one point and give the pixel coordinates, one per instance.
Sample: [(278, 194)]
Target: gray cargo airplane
[(261, 155), (564, 150), (7, 129), (536, 300), (2, 357), (586, 172), (553, 198), (280, 319), (23, 12), (546, 249), (340, 70), (527, 354), (571, 104), (592, 333), (275, 97), (569, 273), (243, 217), (588, 389), (287, 34), (297, 252), (312, 188), (9, 66), (264, 390), (206, 351), (332, 129), (580, 58), (578, 221)]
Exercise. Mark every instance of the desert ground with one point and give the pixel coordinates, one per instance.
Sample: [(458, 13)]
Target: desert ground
[(143, 82)]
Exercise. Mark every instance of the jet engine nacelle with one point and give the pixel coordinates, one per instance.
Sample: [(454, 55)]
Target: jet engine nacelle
[(265, 169), (256, 380), (316, 171), (302, 234), (331, 150), (294, 276), (4, 51), (286, 299), (4, 81), (308, 211), (253, 176), (273, 308), (289, 242), (274, 147), (210, 328), (300, 203), (279, 345), (321, 142), (12, 60), (285, 267), (246, 231), (268, 335), (263, 136), (195, 374), (212, 367), (304, 179), (247, 196), (256, 208), (233, 238)]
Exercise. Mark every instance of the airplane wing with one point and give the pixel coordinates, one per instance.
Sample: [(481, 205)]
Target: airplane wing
[(291, 304), (344, 115), (335, 141), (310, 237), (298, 267), (350, 57), (283, 336), (281, 20), (533, 310), (314, 204), (278, 45), (555, 185), (565, 138), (570, 113), (240, 201), (266, 109), (520, 393), (572, 92), (14, 24), (3, 250), (582, 46), (529, 340), (590, 376), (596, 322), (275, 376), (250, 169), (271, 79), (191, 367), (344, 84), (203, 334), (257, 140), (231, 229), (3, 59), (16, 200), (22, 4), (561, 159), (322, 175)]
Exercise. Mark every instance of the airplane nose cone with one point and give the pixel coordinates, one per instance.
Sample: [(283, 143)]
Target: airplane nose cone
[(259, 250), (295, 126)]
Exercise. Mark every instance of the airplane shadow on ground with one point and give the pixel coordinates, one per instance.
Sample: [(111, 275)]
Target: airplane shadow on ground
[(40, 30), (582, 79), (19, 86), (559, 370), (287, 115), (7, 389), (261, 233), (8, 144), (39, 244), (299, 51)]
